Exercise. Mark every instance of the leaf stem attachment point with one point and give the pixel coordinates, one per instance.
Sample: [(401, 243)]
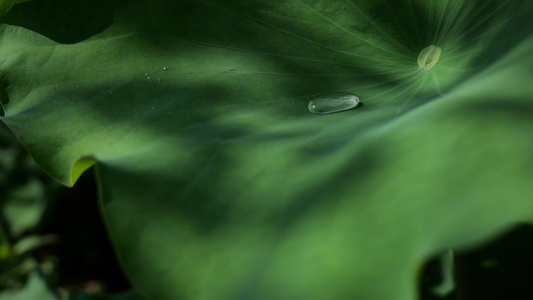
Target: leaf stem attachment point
[(429, 57)]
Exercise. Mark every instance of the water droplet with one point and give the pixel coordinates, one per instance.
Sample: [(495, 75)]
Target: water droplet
[(429, 57), (334, 102)]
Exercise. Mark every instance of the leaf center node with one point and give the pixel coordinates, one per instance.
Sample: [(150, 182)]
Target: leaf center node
[(429, 57)]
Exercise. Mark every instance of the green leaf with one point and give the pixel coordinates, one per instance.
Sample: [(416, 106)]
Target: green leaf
[(24, 206), (35, 288), (217, 182), (6, 5)]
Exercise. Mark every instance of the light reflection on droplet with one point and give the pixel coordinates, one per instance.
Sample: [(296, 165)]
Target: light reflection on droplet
[(334, 102)]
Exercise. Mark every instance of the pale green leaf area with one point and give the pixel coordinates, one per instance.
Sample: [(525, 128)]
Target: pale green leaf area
[(218, 183), (36, 288), (23, 206)]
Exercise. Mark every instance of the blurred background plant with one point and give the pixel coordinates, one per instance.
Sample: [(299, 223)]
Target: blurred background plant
[(53, 244)]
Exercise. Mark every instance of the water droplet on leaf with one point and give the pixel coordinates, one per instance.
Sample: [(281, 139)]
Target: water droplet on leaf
[(334, 102)]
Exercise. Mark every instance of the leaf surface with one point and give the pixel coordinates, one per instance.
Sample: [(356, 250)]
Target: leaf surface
[(218, 183)]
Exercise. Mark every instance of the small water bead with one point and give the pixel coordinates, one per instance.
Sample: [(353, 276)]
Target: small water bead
[(332, 103)]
